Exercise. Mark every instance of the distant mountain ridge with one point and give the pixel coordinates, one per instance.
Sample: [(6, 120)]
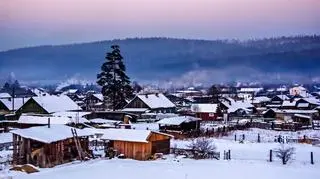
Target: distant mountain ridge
[(166, 58)]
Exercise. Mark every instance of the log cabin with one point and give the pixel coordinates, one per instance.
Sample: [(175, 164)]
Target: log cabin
[(137, 144), (154, 103), (48, 146)]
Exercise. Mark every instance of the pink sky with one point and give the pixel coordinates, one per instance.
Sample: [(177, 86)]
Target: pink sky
[(35, 22)]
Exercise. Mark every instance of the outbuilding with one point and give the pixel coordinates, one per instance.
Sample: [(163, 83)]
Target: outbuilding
[(137, 144)]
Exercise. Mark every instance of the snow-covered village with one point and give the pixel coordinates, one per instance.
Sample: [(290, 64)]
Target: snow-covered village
[(175, 89)]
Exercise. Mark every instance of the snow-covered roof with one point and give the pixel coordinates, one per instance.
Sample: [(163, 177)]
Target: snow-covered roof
[(303, 105), (204, 108), (134, 109), (49, 135), (38, 119), (129, 135), (104, 121), (5, 95), (260, 99), (283, 97), (156, 100), (18, 102), (312, 100), (250, 89), (177, 120), (235, 105), (72, 114), (296, 111), (56, 103), (99, 96), (40, 92), (287, 103), (302, 116)]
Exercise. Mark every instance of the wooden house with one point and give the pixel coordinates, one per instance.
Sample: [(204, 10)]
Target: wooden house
[(48, 146), (11, 104), (206, 112), (137, 144), (49, 105), (308, 103), (94, 102), (155, 103), (180, 124), (278, 99)]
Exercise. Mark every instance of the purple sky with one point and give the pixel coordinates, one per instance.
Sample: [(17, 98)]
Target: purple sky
[(38, 22)]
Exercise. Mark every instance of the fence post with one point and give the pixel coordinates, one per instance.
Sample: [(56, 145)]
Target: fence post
[(311, 155), (224, 155), (229, 154), (258, 138), (235, 137), (270, 156), (243, 137)]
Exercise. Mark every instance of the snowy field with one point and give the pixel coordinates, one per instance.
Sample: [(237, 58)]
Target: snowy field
[(170, 168), (250, 151), (249, 160)]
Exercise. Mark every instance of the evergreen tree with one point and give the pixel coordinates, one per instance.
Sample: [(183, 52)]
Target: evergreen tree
[(113, 80), (215, 92)]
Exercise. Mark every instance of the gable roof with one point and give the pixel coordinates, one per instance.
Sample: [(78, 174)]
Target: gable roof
[(129, 135), (56, 103), (204, 108), (283, 97), (18, 102), (99, 96), (311, 101), (155, 100), (40, 119), (260, 99), (287, 103), (235, 105), (177, 120), (49, 135), (5, 95)]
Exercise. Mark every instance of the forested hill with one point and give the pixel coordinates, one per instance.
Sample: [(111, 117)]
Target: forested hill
[(164, 58)]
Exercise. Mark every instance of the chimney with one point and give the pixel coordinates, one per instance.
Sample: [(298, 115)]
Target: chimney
[(49, 122)]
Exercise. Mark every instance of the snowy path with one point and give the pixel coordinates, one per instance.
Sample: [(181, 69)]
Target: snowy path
[(185, 169)]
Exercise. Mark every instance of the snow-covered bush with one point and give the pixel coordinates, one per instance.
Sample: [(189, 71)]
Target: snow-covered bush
[(285, 153), (201, 148)]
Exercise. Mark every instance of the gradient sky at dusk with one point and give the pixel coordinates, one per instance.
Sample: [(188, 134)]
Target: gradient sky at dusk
[(38, 22)]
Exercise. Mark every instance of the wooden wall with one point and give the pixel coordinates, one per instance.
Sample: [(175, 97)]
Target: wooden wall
[(143, 151), (134, 150)]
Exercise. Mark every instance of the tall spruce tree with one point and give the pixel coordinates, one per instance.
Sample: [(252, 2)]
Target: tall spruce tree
[(114, 81)]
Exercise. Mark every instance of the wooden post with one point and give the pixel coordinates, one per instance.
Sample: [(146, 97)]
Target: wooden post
[(235, 137), (229, 154), (311, 156), (270, 156), (243, 137), (258, 138)]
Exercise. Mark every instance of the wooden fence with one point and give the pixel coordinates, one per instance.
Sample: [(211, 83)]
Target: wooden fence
[(190, 153)]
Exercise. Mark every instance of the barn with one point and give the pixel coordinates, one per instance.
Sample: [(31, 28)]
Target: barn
[(137, 144), (48, 146)]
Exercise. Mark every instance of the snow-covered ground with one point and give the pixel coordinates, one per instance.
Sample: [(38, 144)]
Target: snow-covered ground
[(172, 169), (258, 151), (249, 160), (269, 135)]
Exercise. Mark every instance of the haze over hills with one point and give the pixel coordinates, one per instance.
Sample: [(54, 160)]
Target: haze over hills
[(177, 60)]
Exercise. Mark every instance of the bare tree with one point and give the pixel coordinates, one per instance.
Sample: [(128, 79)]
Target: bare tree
[(285, 153), (201, 148)]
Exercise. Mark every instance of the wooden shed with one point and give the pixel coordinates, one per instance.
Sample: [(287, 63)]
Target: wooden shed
[(137, 144), (49, 146)]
